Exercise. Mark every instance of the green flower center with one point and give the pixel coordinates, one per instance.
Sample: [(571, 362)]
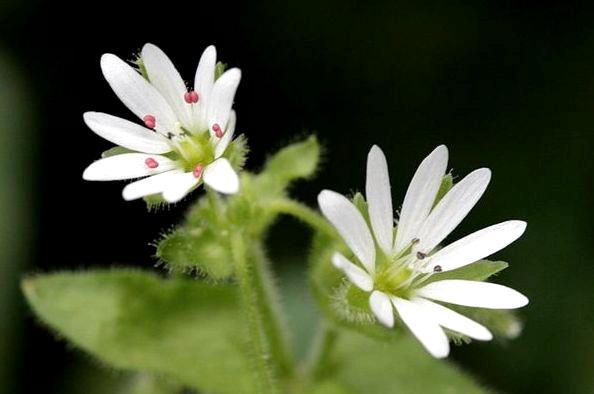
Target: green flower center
[(194, 149)]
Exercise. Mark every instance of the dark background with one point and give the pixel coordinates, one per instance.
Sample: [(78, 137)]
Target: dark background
[(508, 85)]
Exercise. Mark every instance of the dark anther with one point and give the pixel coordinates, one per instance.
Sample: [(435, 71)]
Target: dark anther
[(421, 255), (437, 268), (415, 241)]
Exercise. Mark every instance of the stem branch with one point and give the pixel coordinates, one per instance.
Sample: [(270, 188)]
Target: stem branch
[(303, 213)]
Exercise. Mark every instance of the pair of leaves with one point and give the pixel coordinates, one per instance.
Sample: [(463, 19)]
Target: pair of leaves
[(190, 332)]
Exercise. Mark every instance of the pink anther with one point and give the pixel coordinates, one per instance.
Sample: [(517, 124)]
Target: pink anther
[(150, 121), (217, 130), (151, 163), (198, 171), (191, 97)]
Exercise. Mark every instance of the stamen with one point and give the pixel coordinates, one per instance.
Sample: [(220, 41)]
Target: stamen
[(198, 171), (150, 121), (151, 163), (415, 241), (191, 97), (437, 268), (421, 255), (217, 130)]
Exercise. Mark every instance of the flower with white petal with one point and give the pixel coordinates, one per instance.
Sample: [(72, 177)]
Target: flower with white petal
[(394, 264), (184, 133)]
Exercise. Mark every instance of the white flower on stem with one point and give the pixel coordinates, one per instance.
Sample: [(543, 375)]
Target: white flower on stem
[(395, 268), (184, 133)]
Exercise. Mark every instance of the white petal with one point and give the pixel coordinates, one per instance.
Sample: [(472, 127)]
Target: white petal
[(477, 245), (379, 199), (359, 277), (452, 208), (127, 134), (221, 176), (164, 76), (148, 186), (180, 185), (227, 137), (423, 327), (205, 72), (471, 293), (420, 196), (221, 100), (382, 308), (454, 321), (137, 93), (351, 226), (126, 166), (203, 83)]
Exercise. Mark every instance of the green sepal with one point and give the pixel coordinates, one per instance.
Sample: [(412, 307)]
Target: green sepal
[(138, 63), (359, 364), (202, 244), (503, 324), (116, 150), (237, 152), (181, 329), (446, 185), (220, 68), (479, 271), (198, 251), (155, 202), (362, 207), (341, 302)]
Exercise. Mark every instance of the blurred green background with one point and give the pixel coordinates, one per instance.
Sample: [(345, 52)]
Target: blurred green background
[(508, 85)]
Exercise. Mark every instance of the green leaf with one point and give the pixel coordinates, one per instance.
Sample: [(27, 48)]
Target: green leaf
[(298, 160), (481, 270), (182, 329), (147, 384), (360, 364)]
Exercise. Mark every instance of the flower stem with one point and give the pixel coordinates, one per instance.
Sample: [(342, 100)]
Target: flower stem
[(302, 212), (270, 350)]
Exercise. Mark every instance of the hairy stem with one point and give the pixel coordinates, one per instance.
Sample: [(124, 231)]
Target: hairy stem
[(303, 213), (272, 359)]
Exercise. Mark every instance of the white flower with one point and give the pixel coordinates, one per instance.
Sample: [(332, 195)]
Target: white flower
[(184, 134), (394, 269)]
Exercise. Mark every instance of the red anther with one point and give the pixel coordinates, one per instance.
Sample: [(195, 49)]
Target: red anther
[(191, 97), (151, 163), (217, 130), (198, 171), (150, 121)]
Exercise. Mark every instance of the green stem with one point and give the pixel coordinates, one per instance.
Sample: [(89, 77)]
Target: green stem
[(302, 212), (321, 350), (272, 359)]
